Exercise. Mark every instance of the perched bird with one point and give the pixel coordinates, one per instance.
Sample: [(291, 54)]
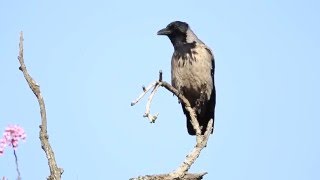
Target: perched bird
[(192, 72)]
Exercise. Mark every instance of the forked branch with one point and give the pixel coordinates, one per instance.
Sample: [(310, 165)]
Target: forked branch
[(201, 140)]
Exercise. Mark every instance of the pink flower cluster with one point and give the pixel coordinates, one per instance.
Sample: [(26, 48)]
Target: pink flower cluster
[(11, 137)]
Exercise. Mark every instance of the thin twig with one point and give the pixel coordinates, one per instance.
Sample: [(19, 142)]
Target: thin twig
[(160, 75), (55, 171), (147, 114), (17, 165), (145, 91)]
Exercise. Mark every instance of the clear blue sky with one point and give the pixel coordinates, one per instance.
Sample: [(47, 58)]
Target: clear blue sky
[(91, 58)]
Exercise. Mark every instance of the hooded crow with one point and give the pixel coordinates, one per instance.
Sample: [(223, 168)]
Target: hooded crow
[(192, 72)]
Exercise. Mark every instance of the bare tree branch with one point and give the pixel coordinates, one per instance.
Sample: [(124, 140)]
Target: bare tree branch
[(188, 107), (55, 171), (17, 165), (169, 177), (145, 91), (194, 154), (201, 140), (147, 114)]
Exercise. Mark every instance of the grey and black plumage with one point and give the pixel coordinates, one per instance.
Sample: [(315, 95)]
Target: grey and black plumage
[(192, 72)]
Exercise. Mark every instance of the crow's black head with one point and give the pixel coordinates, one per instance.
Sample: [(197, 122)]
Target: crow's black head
[(174, 28), (176, 31)]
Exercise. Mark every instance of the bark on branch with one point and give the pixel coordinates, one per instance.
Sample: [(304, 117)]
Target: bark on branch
[(55, 171), (169, 177), (201, 140)]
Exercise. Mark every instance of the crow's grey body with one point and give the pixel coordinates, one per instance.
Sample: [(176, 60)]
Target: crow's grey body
[(192, 72)]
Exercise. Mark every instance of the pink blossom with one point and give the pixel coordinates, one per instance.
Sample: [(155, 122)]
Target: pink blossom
[(11, 137)]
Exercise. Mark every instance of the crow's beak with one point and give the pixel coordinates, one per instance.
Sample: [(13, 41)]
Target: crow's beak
[(164, 31)]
